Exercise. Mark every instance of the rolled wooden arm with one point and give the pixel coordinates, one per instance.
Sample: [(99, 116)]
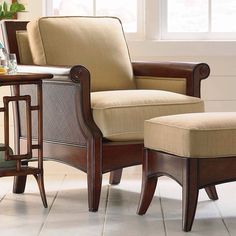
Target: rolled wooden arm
[(193, 72), (81, 76)]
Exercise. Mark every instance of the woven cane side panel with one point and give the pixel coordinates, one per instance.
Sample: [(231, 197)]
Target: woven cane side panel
[(59, 113)]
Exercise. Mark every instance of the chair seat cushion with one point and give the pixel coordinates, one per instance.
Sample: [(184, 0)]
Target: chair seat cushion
[(120, 114), (3, 162), (193, 135)]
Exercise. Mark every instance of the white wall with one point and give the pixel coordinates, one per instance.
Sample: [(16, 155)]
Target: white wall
[(34, 8)]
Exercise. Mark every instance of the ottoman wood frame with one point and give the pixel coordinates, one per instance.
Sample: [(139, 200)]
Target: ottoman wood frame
[(192, 174)]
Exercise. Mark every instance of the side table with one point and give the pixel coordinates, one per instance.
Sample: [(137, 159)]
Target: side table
[(16, 80)]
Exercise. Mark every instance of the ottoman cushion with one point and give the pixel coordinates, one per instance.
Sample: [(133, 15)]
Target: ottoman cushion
[(193, 135)]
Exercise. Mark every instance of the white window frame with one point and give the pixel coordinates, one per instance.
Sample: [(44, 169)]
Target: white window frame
[(140, 17), (191, 36), (152, 24)]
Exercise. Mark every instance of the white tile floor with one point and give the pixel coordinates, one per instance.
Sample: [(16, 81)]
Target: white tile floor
[(68, 215)]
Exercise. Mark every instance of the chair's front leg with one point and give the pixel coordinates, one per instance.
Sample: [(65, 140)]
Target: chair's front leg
[(94, 179), (94, 173)]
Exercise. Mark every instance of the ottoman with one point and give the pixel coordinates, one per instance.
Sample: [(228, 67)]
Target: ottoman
[(198, 150)]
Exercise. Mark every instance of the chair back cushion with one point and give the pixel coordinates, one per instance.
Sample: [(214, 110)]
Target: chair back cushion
[(98, 43)]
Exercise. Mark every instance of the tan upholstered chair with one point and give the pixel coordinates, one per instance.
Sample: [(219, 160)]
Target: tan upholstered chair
[(95, 107)]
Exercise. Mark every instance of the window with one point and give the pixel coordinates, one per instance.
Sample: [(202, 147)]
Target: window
[(129, 11), (198, 19), (159, 19)]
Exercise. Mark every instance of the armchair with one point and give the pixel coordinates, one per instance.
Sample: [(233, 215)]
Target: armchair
[(96, 104)]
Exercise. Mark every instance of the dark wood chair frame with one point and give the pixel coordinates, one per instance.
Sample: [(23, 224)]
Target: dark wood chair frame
[(192, 174), (96, 155)]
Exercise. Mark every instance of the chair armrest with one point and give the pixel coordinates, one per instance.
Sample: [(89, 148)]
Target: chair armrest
[(192, 72), (81, 77), (66, 97)]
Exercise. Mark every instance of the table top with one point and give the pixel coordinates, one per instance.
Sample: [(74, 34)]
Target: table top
[(6, 79)]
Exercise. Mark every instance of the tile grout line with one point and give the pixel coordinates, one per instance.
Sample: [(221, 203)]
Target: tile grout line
[(222, 218), (162, 212), (106, 205), (49, 209), (4, 195), (2, 198)]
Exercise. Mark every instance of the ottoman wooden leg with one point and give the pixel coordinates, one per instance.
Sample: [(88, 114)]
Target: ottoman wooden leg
[(148, 186), (147, 193), (189, 192)]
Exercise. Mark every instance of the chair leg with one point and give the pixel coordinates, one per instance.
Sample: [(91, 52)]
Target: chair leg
[(40, 181), (19, 184), (211, 192), (190, 193), (94, 174), (94, 190), (147, 193), (115, 176)]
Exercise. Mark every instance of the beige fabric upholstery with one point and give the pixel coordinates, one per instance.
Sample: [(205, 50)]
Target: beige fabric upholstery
[(23, 47), (177, 85), (83, 40), (121, 114), (193, 135)]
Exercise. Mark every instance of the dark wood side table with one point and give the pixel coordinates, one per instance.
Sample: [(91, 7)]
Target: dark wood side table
[(16, 80)]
